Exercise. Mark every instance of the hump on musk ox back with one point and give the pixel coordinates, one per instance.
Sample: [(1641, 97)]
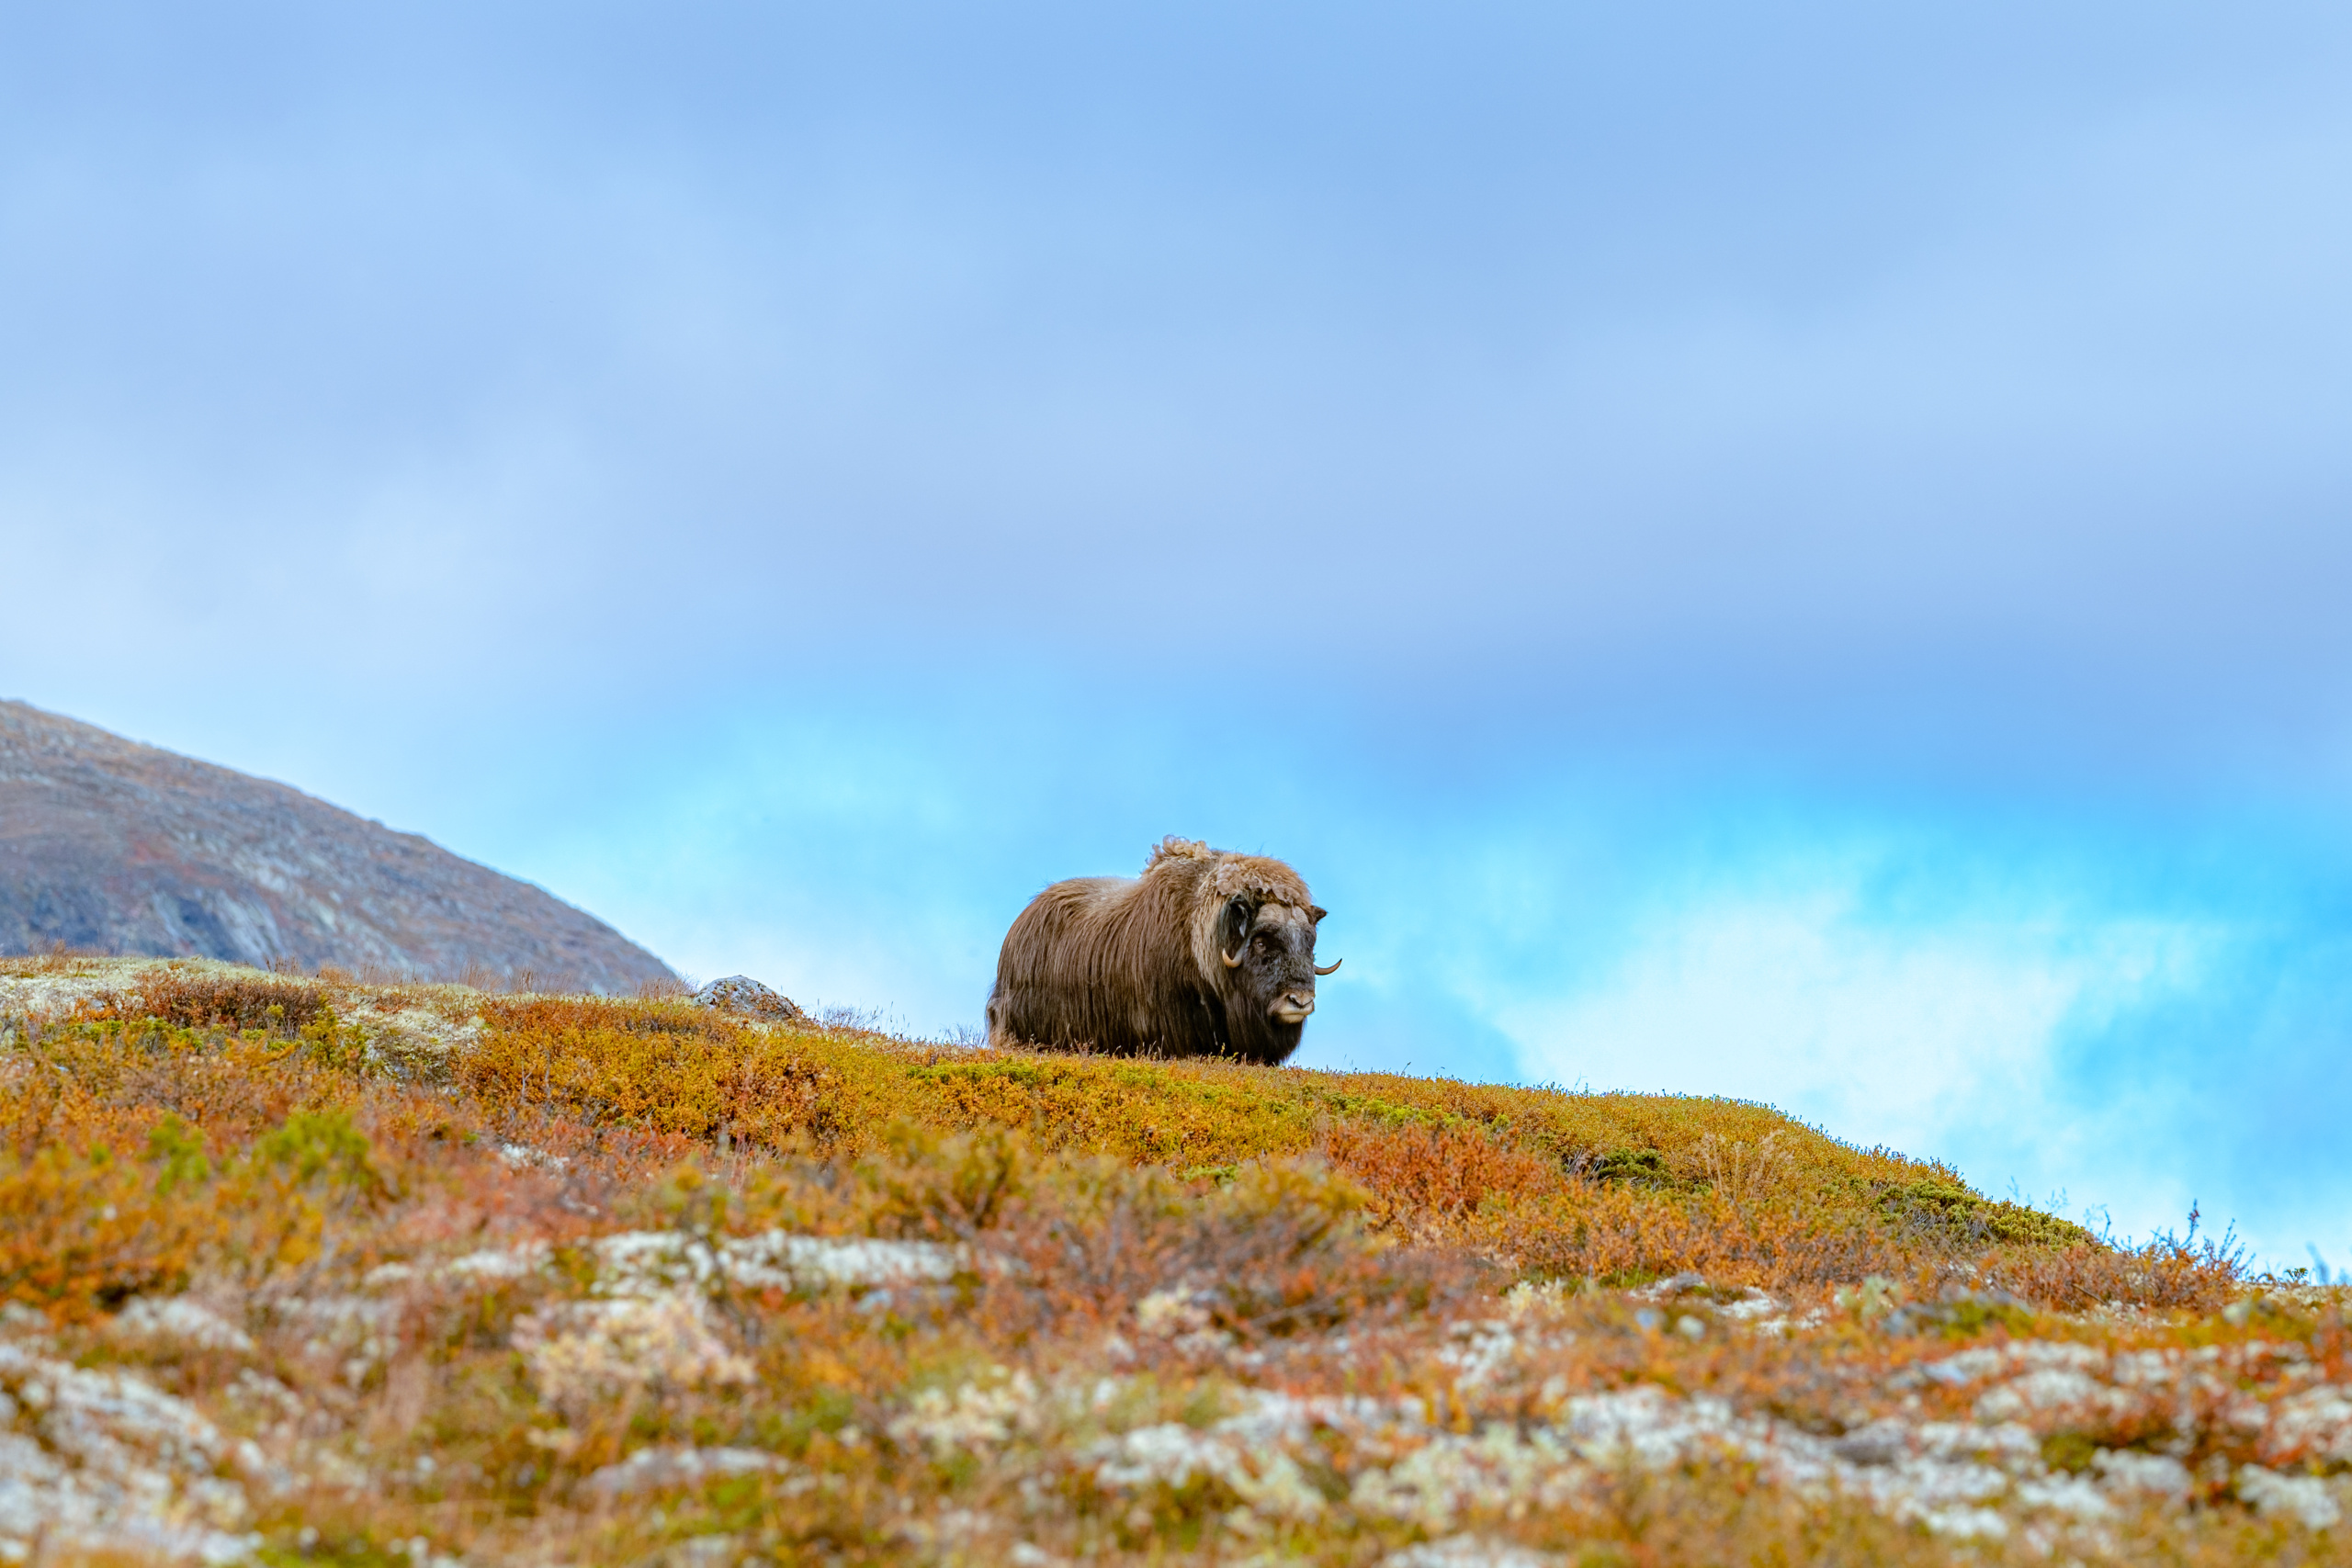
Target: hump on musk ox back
[(1206, 953)]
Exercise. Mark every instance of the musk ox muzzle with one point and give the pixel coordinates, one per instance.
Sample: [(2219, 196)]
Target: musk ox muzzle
[(1206, 953)]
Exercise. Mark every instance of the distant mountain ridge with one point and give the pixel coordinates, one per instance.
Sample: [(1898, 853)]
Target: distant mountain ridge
[(111, 846)]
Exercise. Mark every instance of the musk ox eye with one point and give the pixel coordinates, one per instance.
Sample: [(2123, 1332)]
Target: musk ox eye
[(1236, 922)]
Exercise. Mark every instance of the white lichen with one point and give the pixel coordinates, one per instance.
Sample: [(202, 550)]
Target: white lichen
[(176, 1321), (672, 1468), (583, 1352), (2305, 1498), (979, 1415), (101, 1462)]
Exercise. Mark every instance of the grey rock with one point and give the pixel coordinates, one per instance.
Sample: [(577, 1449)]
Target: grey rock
[(1881, 1442), (742, 994)]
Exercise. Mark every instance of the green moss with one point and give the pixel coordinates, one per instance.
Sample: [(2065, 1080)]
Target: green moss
[(2020, 1227), (1364, 1108), (1637, 1168), (2069, 1452), (1965, 1216), (178, 1152), (315, 1145)]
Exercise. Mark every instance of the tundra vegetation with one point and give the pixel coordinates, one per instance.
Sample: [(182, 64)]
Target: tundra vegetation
[(304, 1268)]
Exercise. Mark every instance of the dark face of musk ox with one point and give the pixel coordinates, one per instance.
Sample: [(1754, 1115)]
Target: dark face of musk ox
[(1269, 953)]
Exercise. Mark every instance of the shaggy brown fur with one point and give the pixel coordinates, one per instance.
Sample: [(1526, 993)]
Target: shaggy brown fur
[(1139, 965)]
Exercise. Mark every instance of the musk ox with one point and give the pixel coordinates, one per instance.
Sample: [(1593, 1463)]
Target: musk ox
[(1206, 953)]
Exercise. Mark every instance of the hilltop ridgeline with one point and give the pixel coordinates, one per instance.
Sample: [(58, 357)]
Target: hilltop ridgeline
[(111, 846), (310, 1270)]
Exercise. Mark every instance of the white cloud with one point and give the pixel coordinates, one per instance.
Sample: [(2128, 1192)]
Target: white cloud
[(1936, 1036)]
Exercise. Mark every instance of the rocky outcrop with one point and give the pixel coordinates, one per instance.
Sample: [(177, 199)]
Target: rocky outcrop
[(108, 846), (742, 994)]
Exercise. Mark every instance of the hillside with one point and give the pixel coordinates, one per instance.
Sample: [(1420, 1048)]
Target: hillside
[(109, 846), (307, 1270)]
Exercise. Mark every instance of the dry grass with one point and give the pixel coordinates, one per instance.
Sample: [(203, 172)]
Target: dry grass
[(398, 1202)]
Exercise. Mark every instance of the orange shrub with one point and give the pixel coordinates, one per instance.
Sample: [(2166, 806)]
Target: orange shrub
[(1437, 1172), (80, 1231), (237, 1000)]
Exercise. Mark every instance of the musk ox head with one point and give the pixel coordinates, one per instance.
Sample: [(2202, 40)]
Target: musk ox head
[(1268, 952), (1254, 941)]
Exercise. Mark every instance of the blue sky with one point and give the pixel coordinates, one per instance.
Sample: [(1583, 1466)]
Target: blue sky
[(1788, 553)]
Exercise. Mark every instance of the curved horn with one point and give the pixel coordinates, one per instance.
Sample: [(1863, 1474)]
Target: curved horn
[(1232, 960), (1326, 968)]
